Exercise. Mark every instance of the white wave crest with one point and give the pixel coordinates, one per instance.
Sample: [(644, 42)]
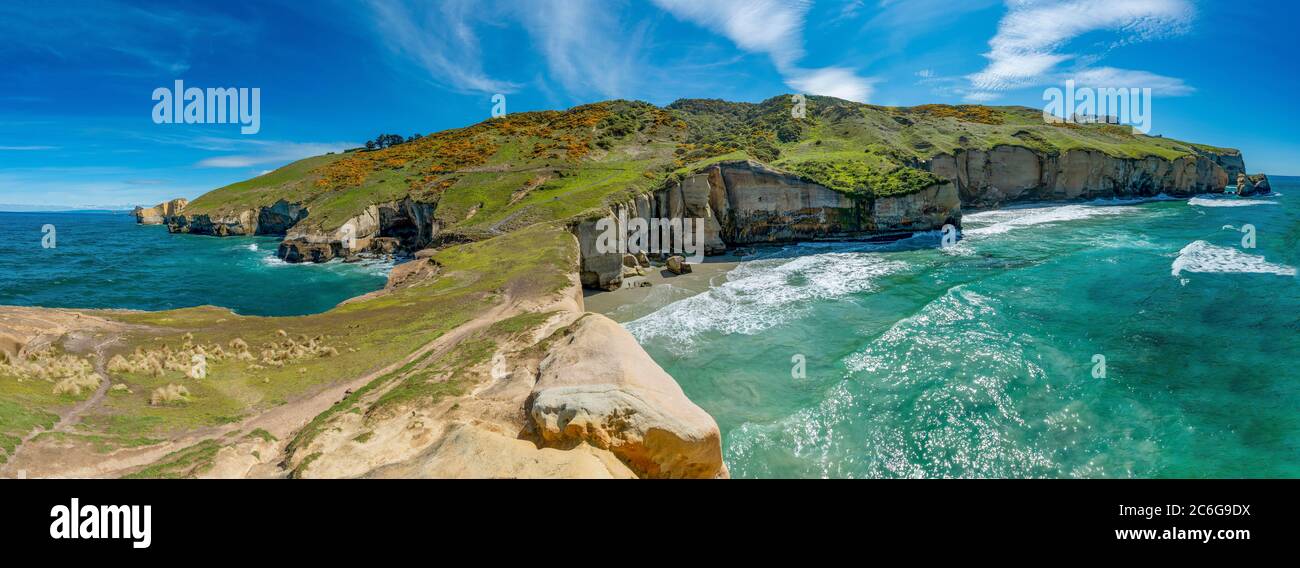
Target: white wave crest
[(1204, 257), (1005, 220), (1226, 202), (762, 294)]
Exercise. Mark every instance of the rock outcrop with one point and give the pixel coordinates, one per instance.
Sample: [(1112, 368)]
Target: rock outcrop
[(1228, 159), (598, 387), (1006, 174), (1248, 185), (383, 229), (161, 213)]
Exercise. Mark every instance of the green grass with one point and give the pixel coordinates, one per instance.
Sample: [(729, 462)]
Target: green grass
[(262, 435), (859, 179), (188, 462)]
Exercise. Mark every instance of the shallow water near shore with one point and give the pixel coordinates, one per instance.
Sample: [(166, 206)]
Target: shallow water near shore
[(105, 260), (978, 360)]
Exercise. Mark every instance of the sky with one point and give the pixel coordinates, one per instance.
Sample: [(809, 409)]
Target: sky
[(78, 78)]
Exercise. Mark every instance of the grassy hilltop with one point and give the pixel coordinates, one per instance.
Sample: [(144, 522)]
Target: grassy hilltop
[(525, 168)]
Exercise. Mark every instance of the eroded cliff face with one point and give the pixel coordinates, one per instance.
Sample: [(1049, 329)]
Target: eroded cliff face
[(1007, 174), (381, 229), (160, 213), (746, 202)]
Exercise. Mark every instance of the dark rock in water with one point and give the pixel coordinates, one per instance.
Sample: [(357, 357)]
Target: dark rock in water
[(385, 245), (1248, 185), (299, 250)]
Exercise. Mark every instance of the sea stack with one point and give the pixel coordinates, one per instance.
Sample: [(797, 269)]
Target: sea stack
[(1252, 185), (160, 213)]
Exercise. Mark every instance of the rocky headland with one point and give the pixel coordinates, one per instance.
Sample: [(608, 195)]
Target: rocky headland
[(478, 359)]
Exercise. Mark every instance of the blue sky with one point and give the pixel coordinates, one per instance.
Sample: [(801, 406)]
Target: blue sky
[(76, 77)]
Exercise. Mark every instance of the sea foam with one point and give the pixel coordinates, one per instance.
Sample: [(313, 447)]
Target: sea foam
[(1204, 257), (1225, 202), (762, 294), (1005, 220)]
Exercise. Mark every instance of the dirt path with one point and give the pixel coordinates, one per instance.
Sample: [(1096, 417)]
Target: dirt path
[(73, 416)]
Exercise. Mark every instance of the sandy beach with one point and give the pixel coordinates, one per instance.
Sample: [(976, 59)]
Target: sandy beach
[(633, 300)]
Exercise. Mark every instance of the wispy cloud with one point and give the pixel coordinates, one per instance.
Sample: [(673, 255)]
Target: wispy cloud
[(1028, 47), (774, 28), (1112, 77), (259, 153), (159, 36), (836, 82), (26, 148), (587, 45), (440, 38)]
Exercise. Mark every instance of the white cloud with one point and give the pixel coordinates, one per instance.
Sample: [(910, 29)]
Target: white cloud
[(774, 28), (1110, 77), (26, 148), (263, 152), (833, 82), (439, 38), (1027, 48)]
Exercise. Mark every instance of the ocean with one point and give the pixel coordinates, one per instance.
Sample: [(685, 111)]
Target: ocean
[(1102, 339), (106, 260)]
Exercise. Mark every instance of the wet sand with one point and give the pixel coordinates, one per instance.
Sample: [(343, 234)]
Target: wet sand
[(634, 301)]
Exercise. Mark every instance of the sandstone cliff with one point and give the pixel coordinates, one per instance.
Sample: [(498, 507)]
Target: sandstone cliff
[(1007, 174), (161, 213), (747, 202)]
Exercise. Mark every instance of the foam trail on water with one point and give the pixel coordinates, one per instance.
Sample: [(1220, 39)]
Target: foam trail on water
[(1201, 256), (1004, 220), (1222, 202)]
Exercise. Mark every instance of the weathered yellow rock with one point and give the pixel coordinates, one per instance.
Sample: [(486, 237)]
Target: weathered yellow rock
[(598, 387), (160, 213), (470, 452)]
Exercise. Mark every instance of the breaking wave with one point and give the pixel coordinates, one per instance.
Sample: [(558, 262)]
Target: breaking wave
[(762, 294), (1204, 257)]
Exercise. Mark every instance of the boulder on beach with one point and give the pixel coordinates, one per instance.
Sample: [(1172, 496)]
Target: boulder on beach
[(678, 265)]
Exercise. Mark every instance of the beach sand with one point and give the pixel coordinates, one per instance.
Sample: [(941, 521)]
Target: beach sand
[(634, 301)]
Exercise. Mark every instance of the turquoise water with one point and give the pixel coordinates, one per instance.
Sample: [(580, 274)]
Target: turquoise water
[(978, 360), (105, 260)]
